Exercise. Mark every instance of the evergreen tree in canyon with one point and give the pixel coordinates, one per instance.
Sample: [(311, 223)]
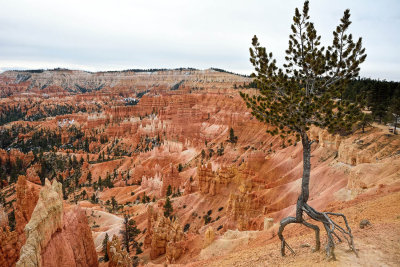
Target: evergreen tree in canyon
[(169, 191), (104, 247), (89, 178), (129, 233), (168, 209), (394, 112), (307, 92), (232, 137), (11, 220)]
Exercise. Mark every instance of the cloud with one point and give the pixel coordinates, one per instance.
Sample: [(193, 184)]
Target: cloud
[(103, 35)]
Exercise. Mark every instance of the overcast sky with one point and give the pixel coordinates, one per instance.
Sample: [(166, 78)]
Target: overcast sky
[(121, 34)]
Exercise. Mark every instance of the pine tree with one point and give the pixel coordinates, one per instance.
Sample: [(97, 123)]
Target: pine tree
[(307, 92), (180, 167), (232, 137), (104, 247), (84, 194), (145, 199), (169, 190), (139, 250), (19, 165), (220, 150), (93, 199), (3, 199), (394, 112), (89, 178), (74, 162), (129, 233), (11, 220), (114, 203), (365, 121), (100, 183), (86, 145), (168, 209)]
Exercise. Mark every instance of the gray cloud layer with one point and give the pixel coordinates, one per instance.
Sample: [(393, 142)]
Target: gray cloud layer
[(120, 34)]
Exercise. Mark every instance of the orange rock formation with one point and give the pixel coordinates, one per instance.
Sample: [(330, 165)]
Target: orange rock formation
[(117, 256)]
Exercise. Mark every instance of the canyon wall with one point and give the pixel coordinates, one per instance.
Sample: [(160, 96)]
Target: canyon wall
[(50, 231), (139, 133), (12, 241), (61, 81)]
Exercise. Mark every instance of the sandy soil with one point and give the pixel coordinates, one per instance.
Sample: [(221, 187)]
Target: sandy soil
[(377, 245)]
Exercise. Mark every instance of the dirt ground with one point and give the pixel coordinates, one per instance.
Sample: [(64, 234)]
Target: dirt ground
[(377, 245)]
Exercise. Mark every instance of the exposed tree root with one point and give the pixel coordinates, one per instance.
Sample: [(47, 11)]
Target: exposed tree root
[(331, 227)]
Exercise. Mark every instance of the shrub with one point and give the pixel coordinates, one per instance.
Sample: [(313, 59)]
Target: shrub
[(207, 219), (186, 228)]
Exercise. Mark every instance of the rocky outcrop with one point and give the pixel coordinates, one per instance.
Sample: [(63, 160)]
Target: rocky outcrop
[(243, 205), (164, 232), (189, 187), (268, 222), (244, 209), (354, 151), (171, 178), (164, 236), (174, 250), (205, 177), (45, 221), (240, 209), (3, 217), (154, 184), (12, 241), (209, 237), (152, 217), (51, 230), (25, 204), (75, 240), (9, 246), (213, 182), (118, 257)]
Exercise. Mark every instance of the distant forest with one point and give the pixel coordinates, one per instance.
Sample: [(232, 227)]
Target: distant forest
[(110, 71), (225, 71), (132, 70), (145, 70), (382, 97)]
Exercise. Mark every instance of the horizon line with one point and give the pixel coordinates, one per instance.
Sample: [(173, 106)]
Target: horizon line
[(38, 70)]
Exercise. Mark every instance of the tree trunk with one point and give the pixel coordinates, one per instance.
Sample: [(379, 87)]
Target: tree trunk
[(323, 217), (305, 181), (126, 235)]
